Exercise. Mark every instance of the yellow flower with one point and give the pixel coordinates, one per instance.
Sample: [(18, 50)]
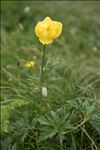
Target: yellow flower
[(48, 30), (30, 64)]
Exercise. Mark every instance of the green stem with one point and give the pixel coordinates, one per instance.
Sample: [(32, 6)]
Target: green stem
[(89, 138), (43, 63)]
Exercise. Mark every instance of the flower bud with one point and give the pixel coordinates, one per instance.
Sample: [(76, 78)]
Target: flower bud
[(26, 9), (44, 91)]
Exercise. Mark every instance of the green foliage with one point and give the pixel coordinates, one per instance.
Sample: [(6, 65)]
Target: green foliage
[(69, 117), (54, 125)]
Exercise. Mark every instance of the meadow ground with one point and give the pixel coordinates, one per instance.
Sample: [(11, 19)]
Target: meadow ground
[(69, 117)]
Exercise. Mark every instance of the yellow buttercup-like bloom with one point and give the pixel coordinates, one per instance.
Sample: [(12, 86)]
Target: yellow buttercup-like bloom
[(48, 30), (30, 64)]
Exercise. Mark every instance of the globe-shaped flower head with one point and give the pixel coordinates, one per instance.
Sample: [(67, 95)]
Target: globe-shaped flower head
[(48, 30)]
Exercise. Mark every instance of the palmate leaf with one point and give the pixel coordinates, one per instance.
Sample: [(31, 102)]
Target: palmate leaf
[(55, 118), (55, 123), (44, 121), (84, 105), (47, 132)]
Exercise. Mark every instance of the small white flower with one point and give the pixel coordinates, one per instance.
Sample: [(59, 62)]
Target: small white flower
[(26, 9), (44, 91)]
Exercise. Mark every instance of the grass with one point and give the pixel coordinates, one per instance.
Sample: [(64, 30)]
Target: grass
[(69, 117)]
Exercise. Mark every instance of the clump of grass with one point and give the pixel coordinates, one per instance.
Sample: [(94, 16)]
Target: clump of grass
[(69, 117)]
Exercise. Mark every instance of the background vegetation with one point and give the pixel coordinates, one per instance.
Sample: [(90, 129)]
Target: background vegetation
[(69, 117)]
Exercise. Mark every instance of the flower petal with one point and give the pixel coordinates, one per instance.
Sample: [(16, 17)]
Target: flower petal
[(41, 29), (38, 28), (56, 29), (45, 40), (47, 19)]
